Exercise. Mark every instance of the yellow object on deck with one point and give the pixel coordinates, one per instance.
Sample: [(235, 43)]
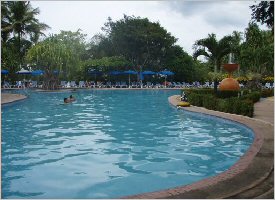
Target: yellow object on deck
[(183, 104)]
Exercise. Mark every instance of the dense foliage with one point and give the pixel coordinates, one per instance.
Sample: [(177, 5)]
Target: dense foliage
[(19, 30), (52, 56), (264, 13)]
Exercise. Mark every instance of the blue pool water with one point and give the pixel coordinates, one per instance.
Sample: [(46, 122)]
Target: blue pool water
[(110, 144)]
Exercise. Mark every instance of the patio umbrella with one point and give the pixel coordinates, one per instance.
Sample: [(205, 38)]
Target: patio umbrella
[(166, 73), (115, 73), (37, 72), (129, 72), (148, 73), (3, 71), (56, 71), (23, 71)]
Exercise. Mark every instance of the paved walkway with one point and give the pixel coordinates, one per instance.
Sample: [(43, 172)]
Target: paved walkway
[(264, 110)]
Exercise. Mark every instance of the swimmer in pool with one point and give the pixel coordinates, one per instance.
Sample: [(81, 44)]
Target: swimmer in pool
[(72, 98), (67, 100)]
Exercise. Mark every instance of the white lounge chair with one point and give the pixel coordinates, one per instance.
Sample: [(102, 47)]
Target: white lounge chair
[(73, 84), (63, 84), (81, 84)]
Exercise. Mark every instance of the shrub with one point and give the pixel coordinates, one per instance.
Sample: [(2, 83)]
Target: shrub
[(222, 105), (227, 94), (242, 106), (254, 96), (267, 93), (209, 101), (195, 99), (199, 91)]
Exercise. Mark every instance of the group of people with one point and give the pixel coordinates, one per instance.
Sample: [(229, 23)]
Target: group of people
[(69, 100)]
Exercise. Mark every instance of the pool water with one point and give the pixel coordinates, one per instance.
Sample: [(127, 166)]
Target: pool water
[(111, 143)]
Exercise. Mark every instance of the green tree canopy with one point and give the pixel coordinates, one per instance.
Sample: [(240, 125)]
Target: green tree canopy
[(257, 51), (140, 41), (19, 30), (264, 13), (49, 55)]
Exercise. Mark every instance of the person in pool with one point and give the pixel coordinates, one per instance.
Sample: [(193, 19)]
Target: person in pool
[(72, 98), (67, 100)]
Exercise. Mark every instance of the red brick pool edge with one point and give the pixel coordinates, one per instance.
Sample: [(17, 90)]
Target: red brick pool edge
[(251, 169)]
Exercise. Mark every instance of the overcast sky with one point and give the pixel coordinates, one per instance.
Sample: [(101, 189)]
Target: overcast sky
[(186, 20)]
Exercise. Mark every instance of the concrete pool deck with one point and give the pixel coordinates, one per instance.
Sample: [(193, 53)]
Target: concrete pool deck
[(9, 98), (251, 171)]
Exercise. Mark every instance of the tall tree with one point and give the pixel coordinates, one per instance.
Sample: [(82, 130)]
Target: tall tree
[(50, 54), (18, 18), (76, 42), (140, 41), (257, 51), (214, 50), (264, 13)]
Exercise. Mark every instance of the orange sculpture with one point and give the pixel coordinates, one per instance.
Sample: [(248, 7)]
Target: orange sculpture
[(229, 83)]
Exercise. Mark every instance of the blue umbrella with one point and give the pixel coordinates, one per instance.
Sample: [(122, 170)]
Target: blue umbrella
[(37, 72), (166, 73), (148, 73), (3, 71), (115, 72), (56, 71), (130, 72)]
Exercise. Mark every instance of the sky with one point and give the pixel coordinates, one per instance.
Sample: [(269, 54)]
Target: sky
[(186, 20)]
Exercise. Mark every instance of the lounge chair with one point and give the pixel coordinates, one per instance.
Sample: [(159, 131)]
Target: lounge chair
[(206, 84), (93, 85), (158, 85), (6, 85), (34, 84), (123, 85), (149, 84), (81, 84), (68, 84), (63, 84), (117, 85), (109, 84), (73, 84), (134, 84), (19, 84), (268, 86), (99, 84)]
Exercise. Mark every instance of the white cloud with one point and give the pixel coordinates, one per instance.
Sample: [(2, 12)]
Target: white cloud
[(188, 21)]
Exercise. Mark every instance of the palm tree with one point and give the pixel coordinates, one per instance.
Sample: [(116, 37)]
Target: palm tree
[(18, 18), (213, 50)]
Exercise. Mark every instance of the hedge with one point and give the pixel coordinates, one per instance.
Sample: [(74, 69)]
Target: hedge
[(241, 106), (267, 93)]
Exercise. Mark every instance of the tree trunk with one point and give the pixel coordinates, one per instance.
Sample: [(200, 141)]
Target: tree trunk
[(50, 81), (215, 80)]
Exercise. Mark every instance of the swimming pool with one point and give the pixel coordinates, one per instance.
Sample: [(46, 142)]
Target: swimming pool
[(111, 143)]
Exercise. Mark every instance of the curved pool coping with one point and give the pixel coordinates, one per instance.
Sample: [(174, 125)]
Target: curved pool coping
[(251, 169)]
